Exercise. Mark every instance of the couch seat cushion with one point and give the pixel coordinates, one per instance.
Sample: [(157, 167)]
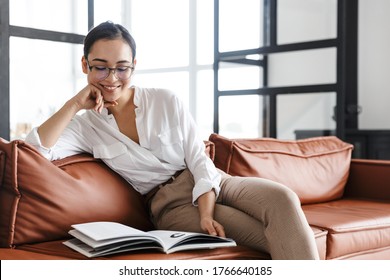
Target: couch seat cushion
[(58, 250), (320, 235), (354, 225), (14, 254)]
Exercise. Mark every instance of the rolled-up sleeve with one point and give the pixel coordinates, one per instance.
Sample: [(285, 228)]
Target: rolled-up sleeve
[(34, 140), (70, 142), (206, 176)]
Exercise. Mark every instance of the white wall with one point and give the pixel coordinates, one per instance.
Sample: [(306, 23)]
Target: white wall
[(374, 64)]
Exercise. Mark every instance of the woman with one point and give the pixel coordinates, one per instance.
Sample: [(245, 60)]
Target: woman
[(149, 138)]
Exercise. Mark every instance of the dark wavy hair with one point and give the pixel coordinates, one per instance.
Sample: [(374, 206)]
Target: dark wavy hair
[(109, 31)]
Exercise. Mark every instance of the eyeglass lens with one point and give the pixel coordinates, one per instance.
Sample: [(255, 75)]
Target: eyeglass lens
[(103, 73)]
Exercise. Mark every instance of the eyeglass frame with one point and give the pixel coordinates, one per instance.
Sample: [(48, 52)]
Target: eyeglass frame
[(111, 70)]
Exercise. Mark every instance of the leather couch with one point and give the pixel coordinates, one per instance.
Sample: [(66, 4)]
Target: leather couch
[(347, 202)]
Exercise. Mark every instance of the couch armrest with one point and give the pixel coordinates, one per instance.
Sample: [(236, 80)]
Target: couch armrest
[(209, 149), (369, 179)]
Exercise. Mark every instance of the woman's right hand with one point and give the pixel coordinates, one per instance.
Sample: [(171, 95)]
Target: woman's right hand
[(90, 97)]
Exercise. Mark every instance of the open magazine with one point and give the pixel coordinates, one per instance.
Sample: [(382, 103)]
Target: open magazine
[(103, 238)]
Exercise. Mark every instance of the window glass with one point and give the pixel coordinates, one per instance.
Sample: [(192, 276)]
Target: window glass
[(240, 116), (59, 15), (205, 32), (205, 102), (238, 19), (175, 81), (234, 76), (113, 12), (302, 112), (303, 67), (161, 31), (306, 20), (43, 75)]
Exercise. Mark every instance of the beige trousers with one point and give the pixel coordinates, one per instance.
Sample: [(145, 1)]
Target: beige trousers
[(255, 212)]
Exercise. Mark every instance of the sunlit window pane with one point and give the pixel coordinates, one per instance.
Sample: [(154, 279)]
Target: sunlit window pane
[(240, 116), (112, 12), (240, 24), (59, 15), (42, 77), (175, 81), (305, 112), (306, 20), (234, 77), (303, 67), (205, 102), (161, 31), (205, 32)]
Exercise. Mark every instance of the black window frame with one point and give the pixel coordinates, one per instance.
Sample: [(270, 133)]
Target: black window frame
[(6, 31), (346, 109)]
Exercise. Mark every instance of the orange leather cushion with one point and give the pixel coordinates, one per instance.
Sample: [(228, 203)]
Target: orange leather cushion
[(354, 226), (58, 250), (316, 169), (39, 200)]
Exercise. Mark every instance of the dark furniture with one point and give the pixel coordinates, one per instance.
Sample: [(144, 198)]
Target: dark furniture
[(368, 143)]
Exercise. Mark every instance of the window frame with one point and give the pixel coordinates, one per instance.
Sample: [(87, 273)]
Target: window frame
[(345, 86), (7, 31)]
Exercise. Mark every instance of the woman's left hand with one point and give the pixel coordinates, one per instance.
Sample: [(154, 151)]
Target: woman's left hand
[(206, 203), (212, 227)]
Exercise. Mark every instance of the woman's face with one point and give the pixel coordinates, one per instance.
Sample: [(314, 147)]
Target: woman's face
[(109, 54)]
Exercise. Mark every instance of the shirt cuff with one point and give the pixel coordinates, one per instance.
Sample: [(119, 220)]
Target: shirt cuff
[(34, 140), (202, 187)]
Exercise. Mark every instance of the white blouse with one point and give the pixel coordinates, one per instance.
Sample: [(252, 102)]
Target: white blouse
[(168, 142)]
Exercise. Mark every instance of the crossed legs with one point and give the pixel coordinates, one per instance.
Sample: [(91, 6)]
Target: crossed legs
[(255, 212)]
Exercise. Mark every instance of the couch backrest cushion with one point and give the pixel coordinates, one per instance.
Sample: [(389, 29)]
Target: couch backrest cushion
[(2, 166), (316, 168), (40, 200)]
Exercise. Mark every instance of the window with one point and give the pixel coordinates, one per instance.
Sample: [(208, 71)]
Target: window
[(174, 50), (42, 40), (43, 77), (41, 51), (278, 67), (60, 15)]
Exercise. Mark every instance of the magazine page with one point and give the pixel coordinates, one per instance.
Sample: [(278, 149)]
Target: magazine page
[(90, 252), (101, 238), (107, 230), (173, 241), (135, 239)]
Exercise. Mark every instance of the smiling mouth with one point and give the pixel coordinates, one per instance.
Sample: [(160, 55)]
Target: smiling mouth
[(110, 88)]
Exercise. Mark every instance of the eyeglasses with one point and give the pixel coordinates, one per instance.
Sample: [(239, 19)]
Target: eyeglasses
[(102, 72)]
